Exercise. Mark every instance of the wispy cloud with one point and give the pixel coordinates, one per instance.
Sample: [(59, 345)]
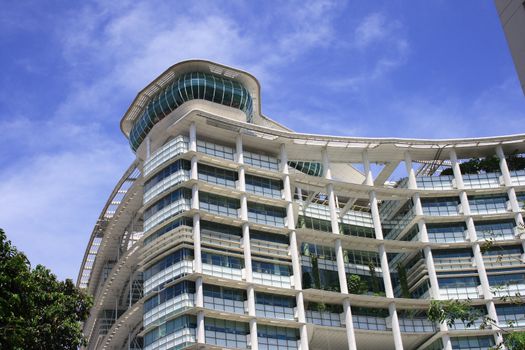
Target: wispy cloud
[(382, 43), (373, 28), (60, 182)]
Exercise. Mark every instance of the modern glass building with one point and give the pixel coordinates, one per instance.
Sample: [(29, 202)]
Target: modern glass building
[(230, 231)]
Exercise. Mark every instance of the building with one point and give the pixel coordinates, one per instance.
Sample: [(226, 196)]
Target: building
[(512, 16), (231, 231)]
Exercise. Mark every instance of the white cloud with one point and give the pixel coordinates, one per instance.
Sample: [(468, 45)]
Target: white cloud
[(55, 197), (448, 116), (372, 28), (112, 50), (382, 43)]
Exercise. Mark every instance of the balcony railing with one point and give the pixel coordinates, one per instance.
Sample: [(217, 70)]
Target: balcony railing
[(173, 148), (170, 307)]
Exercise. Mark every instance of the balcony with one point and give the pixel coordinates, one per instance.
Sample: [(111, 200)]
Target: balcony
[(222, 271), (416, 325), (170, 181), (176, 340), (170, 307), (271, 311), (174, 271), (325, 318), (223, 304), (173, 148), (459, 293), (272, 280)]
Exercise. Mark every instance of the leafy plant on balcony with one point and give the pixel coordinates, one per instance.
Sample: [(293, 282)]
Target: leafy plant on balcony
[(356, 285)]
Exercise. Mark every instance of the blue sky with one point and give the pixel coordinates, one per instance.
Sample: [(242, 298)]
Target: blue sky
[(426, 69)]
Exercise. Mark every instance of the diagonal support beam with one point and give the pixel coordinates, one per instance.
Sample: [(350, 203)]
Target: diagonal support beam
[(386, 172), (309, 200), (347, 207)]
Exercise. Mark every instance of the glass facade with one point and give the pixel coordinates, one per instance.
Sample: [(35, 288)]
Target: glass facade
[(187, 87)]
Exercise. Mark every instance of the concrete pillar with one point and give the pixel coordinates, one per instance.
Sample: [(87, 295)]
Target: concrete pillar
[(350, 335), (194, 171), (248, 274), (389, 291), (341, 271), (239, 156), (478, 257), (195, 197), (244, 207), (422, 227), (199, 293), (398, 341), (201, 335), (250, 292), (193, 137), (241, 184), (253, 334), (423, 236), (197, 255), (247, 251), (511, 192), (294, 250)]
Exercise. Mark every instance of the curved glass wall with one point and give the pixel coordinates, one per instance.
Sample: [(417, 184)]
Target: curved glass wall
[(309, 168), (190, 86)]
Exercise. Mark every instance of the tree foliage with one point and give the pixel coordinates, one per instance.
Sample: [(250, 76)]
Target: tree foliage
[(487, 165), (37, 311), (356, 285), (451, 311)]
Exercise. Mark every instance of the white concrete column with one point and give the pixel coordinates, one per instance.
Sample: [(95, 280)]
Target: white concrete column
[(199, 293), (250, 292), (491, 311), (201, 335), (511, 192), (423, 236), (195, 197), (447, 344), (247, 251), (241, 185), (248, 274), (422, 228), (294, 250), (239, 156), (193, 137), (369, 177), (244, 207), (385, 269), (197, 252), (194, 171), (398, 341), (478, 257), (349, 324), (326, 165), (253, 335), (341, 271)]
